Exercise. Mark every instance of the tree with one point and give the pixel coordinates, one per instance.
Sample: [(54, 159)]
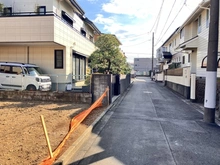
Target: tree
[(108, 58)]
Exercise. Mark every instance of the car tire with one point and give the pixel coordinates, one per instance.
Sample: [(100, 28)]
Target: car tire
[(31, 88)]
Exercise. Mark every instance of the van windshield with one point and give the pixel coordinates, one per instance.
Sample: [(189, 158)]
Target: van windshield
[(32, 71)]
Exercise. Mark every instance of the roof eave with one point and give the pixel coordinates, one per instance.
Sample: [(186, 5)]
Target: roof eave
[(76, 5)]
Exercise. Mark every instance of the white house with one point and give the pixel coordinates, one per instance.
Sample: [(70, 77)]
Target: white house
[(53, 34), (188, 47)]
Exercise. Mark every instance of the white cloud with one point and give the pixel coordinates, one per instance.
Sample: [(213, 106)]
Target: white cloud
[(132, 22)]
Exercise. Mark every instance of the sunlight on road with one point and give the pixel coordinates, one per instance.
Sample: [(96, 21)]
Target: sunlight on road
[(147, 92), (110, 161), (140, 80)]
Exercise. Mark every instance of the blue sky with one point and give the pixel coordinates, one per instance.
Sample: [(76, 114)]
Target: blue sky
[(133, 22)]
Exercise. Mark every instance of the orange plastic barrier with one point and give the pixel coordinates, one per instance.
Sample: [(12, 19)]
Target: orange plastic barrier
[(75, 122)]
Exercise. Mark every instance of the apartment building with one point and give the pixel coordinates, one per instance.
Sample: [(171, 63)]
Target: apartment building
[(143, 66), (53, 34), (188, 48)]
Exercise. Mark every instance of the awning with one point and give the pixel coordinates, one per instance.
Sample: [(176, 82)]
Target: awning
[(204, 61)]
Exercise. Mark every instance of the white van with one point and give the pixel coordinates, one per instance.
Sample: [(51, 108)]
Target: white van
[(21, 76)]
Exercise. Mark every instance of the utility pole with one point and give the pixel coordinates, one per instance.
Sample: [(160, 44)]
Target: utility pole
[(152, 57), (211, 70)]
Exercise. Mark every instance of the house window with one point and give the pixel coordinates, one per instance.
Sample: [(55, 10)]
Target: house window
[(188, 58), (41, 10), (91, 38), (58, 59), (79, 67), (83, 32), (200, 24), (67, 18), (181, 33), (183, 59), (207, 18), (7, 11)]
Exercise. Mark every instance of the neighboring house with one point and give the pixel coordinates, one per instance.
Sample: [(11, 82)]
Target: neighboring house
[(187, 48), (53, 34), (143, 66)]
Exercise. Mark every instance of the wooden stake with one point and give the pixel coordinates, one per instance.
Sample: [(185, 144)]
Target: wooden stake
[(46, 136)]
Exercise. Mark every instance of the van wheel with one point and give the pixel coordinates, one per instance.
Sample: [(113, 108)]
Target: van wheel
[(31, 88)]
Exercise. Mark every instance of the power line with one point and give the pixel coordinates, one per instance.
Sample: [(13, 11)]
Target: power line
[(138, 43), (170, 24), (136, 36), (137, 53), (157, 17), (167, 18)]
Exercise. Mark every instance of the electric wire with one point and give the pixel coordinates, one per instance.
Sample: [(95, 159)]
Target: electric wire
[(155, 23), (167, 18), (157, 17), (137, 43), (170, 23)]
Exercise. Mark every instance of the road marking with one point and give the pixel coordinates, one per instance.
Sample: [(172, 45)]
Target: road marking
[(147, 92)]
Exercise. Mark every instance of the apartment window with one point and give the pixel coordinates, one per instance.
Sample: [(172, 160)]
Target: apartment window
[(207, 18), (200, 24), (183, 59), (7, 11), (58, 59), (67, 18), (91, 38), (181, 33), (42, 10), (83, 32), (170, 46)]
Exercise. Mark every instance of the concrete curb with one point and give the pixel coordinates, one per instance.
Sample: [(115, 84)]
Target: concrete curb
[(66, 156)]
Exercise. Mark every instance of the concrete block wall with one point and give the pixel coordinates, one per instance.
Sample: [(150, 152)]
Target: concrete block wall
[(46, 96), (183, 90), (98, 86)]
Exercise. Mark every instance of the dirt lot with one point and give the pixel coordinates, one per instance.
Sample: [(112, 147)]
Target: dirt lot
[(21, 133)]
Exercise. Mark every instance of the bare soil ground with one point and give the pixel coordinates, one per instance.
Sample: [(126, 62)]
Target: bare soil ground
[(21, 132)]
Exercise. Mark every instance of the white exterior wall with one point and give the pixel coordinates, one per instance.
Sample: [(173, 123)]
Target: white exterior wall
[(27, 5), (202, 50), (14, 54), (26, 29), (159, 76), (183, 80), (65, 35)]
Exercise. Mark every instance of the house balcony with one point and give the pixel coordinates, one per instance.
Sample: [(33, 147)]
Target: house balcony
[(164, 57), (49, 29), (190, 44)]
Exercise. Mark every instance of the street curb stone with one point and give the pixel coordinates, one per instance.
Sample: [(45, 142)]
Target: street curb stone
[(64, 158)]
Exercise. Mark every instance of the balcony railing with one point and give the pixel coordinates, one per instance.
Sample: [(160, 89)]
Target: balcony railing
[(42, 14)]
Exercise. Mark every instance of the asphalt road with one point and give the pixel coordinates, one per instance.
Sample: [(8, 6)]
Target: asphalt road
[(151, 125)]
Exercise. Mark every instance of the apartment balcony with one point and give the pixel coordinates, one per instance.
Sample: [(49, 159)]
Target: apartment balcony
[(164, 57), (32, 29), (190, 44)]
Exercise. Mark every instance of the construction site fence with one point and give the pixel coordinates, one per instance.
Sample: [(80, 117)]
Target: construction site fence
[(75, 122)]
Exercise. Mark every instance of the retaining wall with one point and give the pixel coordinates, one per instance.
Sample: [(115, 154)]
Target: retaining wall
[(47, 96)]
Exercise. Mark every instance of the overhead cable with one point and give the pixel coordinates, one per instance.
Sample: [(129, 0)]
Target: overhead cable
[(167, 18)]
